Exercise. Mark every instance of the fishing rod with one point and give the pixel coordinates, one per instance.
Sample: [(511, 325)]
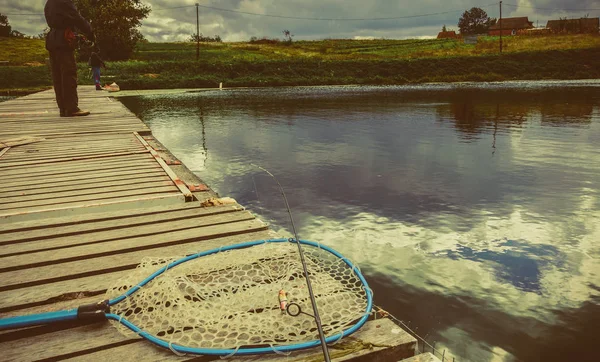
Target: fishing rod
[(308, 283)]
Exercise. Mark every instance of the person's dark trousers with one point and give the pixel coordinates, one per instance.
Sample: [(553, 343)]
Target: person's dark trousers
[(64, 77)]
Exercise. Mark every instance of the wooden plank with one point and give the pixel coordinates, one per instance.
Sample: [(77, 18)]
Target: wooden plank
[(88, 177), (19, 141), (91, 166), (27, 213), (19, 217), (113, 241), (19, 236), (93, 136), (83, 142), (78, 163), (123, 259), (47, 293), (41, 157), (76, 186), (60, 129), (11, 225), (72, 145), (26, 163), (378, 340), (15, 113), (95, 197), (3, 151), (42, 197), (83, 131), (180, 184), (423, 357), (32, 155), (103, 170)]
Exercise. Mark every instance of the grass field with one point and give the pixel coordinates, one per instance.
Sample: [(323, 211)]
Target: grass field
[(330, 61)]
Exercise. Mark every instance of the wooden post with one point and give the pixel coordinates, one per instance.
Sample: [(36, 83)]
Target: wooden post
[(197, 32), (500, 27)]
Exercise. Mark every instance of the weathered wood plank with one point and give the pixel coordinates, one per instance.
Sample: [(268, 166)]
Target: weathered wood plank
[(40, 198), (375, 341), (92, 167), (12, 142), (11, 225), (4, 151), (80, 163), (47, 293), (36, 154), (180, 184), (79, 128), (44, 189), (44, 184), (41, 158), (114, 241), (95, 197), (82, 144), (101, 222), (423, 357), (124, 259), (67, 159), (80, 131), (29, 213)]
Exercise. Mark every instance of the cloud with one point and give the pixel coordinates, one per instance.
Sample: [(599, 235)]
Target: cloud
[(178, 24)]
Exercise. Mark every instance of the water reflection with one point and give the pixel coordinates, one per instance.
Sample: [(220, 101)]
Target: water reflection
[(473, 209)]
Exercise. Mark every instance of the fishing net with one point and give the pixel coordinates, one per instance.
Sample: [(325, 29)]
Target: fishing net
[(229, 300)]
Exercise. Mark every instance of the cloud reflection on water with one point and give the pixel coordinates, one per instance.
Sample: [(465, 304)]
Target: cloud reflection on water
[(474, 211)]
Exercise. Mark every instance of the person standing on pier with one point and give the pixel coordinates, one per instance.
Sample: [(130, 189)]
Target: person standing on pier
[(96, 63), (63, 18)]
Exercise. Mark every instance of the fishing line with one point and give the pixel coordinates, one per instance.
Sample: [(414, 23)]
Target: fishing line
[(308, 283)]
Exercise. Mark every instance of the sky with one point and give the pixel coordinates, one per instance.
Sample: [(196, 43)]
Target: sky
[(178, 24)]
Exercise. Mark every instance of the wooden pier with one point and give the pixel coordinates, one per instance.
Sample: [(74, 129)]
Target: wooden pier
[(82, 201)]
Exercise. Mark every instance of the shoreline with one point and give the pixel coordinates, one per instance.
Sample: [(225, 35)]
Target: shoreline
[(151, 74), (537, 83)]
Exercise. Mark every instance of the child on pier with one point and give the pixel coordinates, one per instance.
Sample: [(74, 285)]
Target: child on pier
[(96, 62)]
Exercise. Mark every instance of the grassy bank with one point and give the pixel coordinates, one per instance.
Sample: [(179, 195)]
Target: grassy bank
[(173, 65)]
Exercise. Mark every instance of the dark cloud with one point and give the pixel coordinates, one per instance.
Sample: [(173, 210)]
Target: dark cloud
[(178, 24)]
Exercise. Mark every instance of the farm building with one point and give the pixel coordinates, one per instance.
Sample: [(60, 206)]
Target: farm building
[(574, 26), (510, 26), (447, 35)]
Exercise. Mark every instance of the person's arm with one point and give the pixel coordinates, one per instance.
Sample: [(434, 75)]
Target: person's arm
[(74, 18)]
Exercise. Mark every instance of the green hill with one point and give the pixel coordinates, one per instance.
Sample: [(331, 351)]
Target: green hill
[(331, 61)]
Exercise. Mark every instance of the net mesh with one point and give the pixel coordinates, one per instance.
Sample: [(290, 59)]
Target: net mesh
[(230, 299)]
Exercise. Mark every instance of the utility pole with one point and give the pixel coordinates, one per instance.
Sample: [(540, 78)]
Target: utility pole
[(197, 32), (500, 27)]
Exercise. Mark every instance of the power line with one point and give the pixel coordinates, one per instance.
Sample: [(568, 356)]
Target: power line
[(551, 9), (177, 7)]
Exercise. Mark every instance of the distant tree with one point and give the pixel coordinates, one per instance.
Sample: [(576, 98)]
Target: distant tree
[(207, 39), (444, 28), (287, 36), (18, 34), (5, 27), (115, 24), (475, 21)]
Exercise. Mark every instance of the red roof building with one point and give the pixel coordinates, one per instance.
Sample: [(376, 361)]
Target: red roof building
[(510, 26), (447, 35)]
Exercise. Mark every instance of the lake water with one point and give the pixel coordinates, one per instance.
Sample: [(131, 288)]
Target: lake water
[(473, 209)]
